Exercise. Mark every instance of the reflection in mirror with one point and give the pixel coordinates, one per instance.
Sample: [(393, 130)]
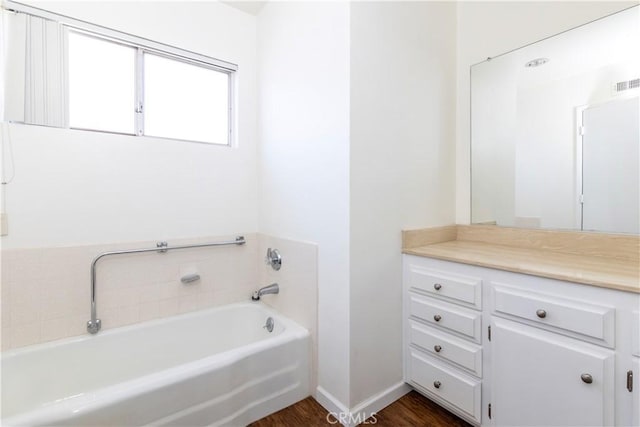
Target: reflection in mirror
[(555, 131)]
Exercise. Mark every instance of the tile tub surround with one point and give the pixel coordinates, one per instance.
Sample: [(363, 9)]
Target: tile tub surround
[(298, 281), (605, 260), (46, 291)]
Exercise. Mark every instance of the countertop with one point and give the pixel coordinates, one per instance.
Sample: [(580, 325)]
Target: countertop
[(608, 272)]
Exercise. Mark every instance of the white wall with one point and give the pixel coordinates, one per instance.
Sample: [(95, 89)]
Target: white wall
[(303, 57), (488, 29), (75, 187), (402, 167)]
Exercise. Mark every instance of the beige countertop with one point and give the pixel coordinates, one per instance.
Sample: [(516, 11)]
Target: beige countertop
[(610, 272)]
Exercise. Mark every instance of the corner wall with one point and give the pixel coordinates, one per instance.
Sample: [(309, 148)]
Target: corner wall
[(303, 60), (402, 170)]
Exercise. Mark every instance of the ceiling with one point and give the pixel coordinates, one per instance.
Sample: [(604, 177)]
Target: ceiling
[(251, 7)]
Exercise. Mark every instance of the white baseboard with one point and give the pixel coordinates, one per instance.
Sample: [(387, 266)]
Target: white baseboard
[(364, 410), (330, 403), (379, 401)]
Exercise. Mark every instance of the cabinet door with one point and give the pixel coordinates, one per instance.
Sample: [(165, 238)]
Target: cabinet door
[(541, 378), (636, 391)]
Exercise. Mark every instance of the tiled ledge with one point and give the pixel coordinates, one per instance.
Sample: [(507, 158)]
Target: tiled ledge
[(598, 259)]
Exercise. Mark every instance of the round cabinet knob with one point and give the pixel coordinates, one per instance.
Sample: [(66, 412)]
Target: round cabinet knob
[(437, 317), (437, 286), (541, 314), (437, 384), (587, 378), (437, 348)]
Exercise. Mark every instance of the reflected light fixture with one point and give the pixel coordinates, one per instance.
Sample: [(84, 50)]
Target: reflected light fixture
[(536, 62)]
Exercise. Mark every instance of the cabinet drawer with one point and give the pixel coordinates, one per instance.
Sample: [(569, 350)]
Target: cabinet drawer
[(453, 318), (449, 286), (444, 346), (588, 320), (445, 383)]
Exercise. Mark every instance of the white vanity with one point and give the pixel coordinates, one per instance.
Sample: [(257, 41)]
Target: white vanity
[(516, 347), (515, 326), (529, 326)]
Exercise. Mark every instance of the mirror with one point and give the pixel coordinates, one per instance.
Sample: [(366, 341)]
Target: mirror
[(555, 131)]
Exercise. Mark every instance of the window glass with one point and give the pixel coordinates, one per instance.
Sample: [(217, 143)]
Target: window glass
[(101, 84), (185, 101)]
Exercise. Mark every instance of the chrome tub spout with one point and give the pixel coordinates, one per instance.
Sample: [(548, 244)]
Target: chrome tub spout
[(271, 289)]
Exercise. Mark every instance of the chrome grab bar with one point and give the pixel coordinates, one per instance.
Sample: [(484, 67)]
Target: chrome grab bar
[(94, 325)]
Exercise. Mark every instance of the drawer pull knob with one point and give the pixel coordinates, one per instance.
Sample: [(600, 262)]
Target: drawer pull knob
[(586, 378), (541, 314), (437, 348), (437, 317), (437, 384), (437, 286)]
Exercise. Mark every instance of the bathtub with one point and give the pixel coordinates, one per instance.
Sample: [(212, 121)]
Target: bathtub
[(213, 367)]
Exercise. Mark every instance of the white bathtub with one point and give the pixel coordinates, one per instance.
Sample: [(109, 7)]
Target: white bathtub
[(212, 367)]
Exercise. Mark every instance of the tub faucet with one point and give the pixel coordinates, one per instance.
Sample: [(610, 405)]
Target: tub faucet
[(271, 289)]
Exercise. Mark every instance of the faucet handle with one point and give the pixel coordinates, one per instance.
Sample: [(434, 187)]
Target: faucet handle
[(273, 258)]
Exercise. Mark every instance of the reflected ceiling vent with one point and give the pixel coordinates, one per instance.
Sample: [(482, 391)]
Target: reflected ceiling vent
[(536, 62), (626, 85)]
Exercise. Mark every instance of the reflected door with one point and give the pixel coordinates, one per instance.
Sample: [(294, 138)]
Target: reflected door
[(610, 167)]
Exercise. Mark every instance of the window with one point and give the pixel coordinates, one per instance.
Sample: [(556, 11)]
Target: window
[(101, 85), (68, 73), (184, 101), (123, 88)]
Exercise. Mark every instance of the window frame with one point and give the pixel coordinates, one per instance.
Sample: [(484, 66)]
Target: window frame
[(140, 91), (141, 45)]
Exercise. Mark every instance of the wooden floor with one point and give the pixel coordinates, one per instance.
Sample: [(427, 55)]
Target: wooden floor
[(412, 410)]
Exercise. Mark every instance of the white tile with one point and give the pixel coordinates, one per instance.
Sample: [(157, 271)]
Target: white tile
[(5, 312), (54, 329), (147, 293), (205, 300), (128, 315), (26, 334), (173, 289), (149, 311), (168, 307), (61, 304), (25, 312), (187, 303), (108, 299), (78, 324), (46, 292), (5, 338)]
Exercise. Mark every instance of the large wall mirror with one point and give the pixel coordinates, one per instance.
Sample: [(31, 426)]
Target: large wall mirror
[(555, 131)]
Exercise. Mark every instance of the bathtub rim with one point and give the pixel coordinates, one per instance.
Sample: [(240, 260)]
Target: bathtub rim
[(290, 325), (121, 391)]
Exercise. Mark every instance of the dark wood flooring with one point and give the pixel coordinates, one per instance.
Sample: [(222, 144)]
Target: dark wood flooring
[(412, 410)]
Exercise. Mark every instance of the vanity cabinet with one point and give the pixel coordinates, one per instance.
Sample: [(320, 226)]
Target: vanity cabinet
[(513, 349)]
